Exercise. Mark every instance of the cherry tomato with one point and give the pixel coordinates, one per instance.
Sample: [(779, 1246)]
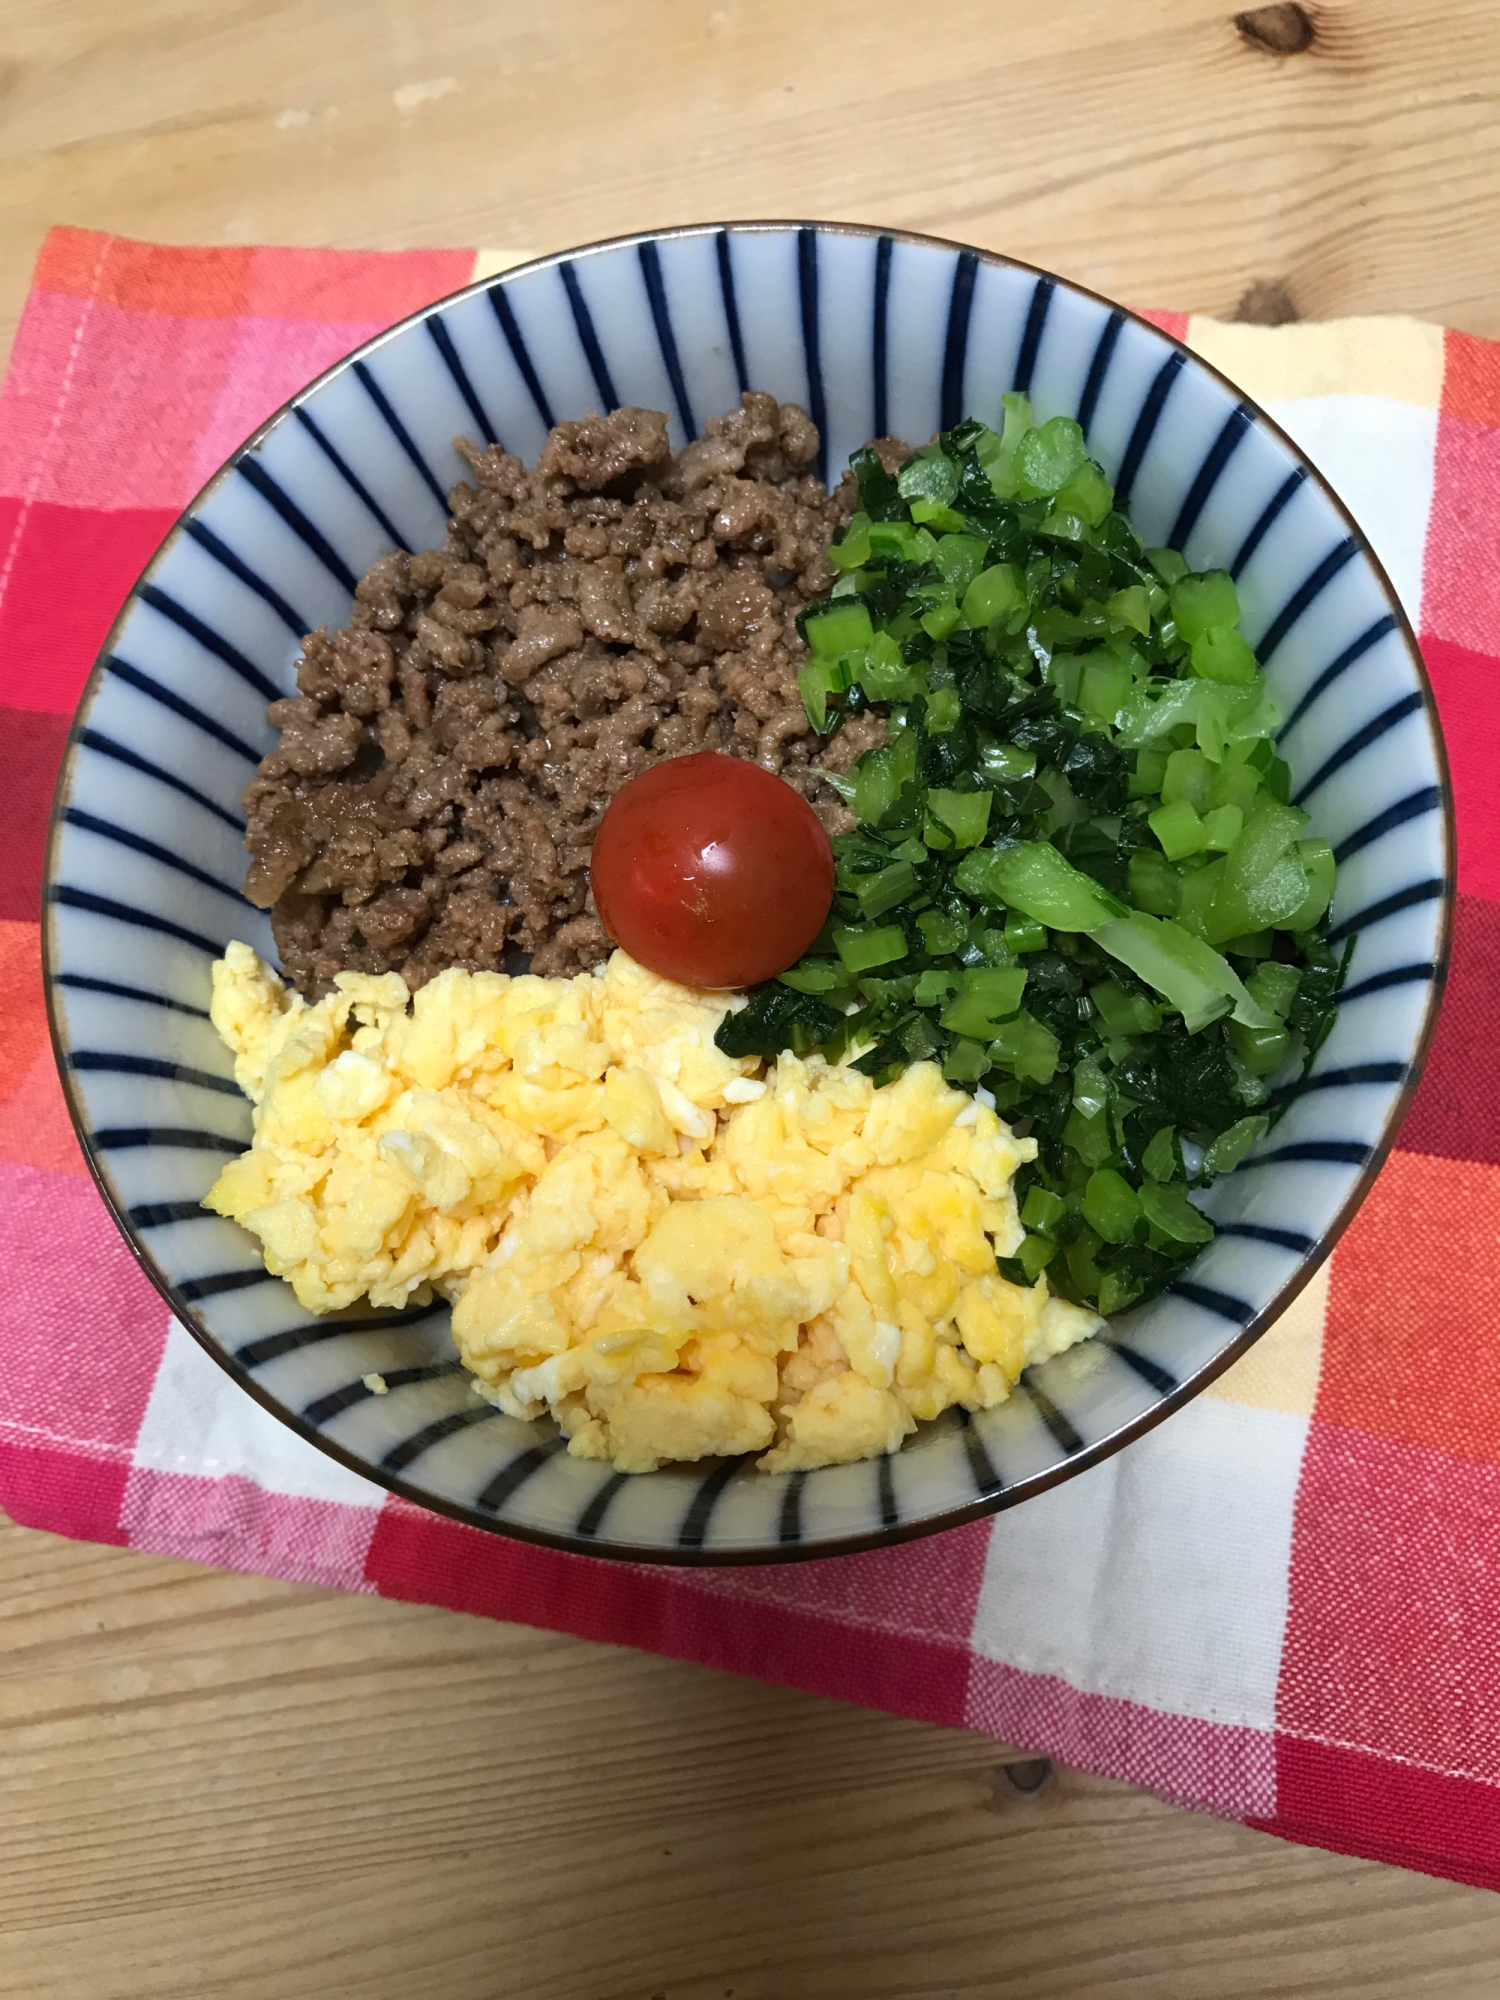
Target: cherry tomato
[(712, 871)]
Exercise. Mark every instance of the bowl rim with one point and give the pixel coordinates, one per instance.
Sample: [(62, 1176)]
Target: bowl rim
[(675, 1556)]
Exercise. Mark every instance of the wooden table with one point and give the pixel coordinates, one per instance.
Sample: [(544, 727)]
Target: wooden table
[(214, 1785)]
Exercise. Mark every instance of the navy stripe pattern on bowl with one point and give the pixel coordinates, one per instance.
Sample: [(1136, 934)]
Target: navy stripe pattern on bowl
[(873, 331)]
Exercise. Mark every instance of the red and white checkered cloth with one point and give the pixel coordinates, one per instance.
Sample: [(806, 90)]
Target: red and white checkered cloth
[(1283, 1606)]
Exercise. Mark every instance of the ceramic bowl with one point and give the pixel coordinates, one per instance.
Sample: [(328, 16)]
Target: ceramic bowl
[(873, 332)]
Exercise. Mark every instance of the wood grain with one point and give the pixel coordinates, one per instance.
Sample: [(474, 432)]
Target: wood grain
[(1150, 149), (213, 1785)]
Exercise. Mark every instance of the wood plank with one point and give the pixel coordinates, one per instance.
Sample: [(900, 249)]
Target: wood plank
[(220, 1785), (1150, 151)]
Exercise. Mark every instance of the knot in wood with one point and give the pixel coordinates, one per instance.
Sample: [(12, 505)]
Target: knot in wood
[(1279, 31), (1266, 302)]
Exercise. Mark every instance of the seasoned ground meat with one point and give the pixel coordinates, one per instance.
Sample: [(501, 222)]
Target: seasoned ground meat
[(450, 752)]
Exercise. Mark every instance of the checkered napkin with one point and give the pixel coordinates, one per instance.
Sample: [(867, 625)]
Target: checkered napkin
[(1283, 1606)]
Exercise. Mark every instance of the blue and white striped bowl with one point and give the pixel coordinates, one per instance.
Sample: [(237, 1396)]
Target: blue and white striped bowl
[(873, 332)]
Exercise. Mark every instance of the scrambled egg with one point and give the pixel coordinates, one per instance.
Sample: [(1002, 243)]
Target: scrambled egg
[(674, 1254)]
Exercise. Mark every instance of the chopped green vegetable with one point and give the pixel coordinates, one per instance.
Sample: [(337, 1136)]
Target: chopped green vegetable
[(777, 1018), (1226, 1152), (1079, 806), (1034, 878), (989, 996), (993, 593), (1179, 830), (1043, 1211), (862, 951), (1111, 1205), (928, 476), (1025, 933), (816, 975), (1033, 1257), (1167, 1208), (1027, 1048), (852, 549), (944, 711), (964, 815), (1220, 654), (1204, 603), (1123, 1013), (1048, 454), (1162, 1160), (838, 629)]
